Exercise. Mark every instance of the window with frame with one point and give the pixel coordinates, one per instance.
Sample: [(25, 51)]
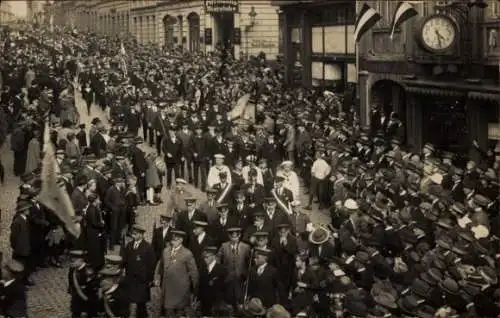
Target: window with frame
[(493, 9)]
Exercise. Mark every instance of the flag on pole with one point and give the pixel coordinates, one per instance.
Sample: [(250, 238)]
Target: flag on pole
[(367, 18), (404, 11), (53, 194)]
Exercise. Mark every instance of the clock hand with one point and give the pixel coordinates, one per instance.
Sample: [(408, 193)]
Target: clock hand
[(439, 37)]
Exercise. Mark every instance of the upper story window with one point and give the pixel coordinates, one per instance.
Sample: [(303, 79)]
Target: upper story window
[(493, 9)]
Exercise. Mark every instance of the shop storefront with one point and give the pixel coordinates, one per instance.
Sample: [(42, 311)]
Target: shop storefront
[(318, 46)]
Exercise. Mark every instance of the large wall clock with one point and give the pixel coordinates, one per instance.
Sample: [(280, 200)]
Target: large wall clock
[(438, 33)]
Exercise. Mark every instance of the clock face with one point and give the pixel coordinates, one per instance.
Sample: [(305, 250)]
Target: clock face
[(439, 33)]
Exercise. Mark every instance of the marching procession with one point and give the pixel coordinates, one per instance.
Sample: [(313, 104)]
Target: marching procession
[(410, 235)]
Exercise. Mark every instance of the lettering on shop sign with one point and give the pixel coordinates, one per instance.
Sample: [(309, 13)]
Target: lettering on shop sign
[(262, 44), (216, 6)]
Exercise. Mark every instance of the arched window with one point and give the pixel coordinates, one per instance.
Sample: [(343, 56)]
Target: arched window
[(168, 26), (194, 31)]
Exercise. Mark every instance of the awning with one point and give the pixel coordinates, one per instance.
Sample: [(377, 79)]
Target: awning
[(484, 96), (434, 91)]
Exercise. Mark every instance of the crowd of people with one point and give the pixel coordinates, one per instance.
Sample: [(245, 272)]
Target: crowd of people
[(410, 234)]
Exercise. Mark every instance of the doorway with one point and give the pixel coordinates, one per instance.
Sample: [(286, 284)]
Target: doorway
[(224, 26), (445, 123), (168, 29)]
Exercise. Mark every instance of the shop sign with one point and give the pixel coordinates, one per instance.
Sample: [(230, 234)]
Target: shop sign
[(221, 6), (262, 44)]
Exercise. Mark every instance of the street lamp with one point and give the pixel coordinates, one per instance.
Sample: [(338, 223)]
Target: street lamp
[(252, 14)]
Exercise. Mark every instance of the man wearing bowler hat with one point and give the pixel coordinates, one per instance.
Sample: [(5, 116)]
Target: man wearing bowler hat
[(116, 204), (139, 264), (20, 237), (162, 234), (185, 218), (264, 282), (234, 255), (212, 276), (177, 274)]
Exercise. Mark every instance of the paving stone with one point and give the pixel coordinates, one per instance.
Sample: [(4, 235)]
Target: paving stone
[(49, 297)]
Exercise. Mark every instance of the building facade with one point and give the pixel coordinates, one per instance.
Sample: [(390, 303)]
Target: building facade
[(6, 14), (317, 43), (445, 89), (35, 10), (250, 27)]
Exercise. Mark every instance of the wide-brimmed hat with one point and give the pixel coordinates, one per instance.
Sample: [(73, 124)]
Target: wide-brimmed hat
[(254, 307), (319, 236)]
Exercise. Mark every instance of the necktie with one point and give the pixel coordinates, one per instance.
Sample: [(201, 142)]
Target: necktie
[(283, 243), (172, 254), (260, 270), (235, 249), (136, 245), (223, 221)]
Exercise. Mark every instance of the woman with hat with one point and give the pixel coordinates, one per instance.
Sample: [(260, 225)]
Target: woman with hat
[(95, 239), (13, 297)]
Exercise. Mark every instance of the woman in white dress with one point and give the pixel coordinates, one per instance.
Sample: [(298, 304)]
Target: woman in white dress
[(291, 179)]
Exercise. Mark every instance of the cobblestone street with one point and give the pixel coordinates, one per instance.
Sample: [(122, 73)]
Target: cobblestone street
[(48, 298)]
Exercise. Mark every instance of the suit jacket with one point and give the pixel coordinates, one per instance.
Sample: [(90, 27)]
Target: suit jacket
[(174, 148), (197, 248), (279, 217), (185, 224), (255, 196), (199, 149), (139, 264), (79, 200), (209, 211), (159, 241), (186, 139), (211, 292), (98, 145), (139, 163), (266, 286), (219, 232), (252, 229), (14, 299), (235, 263), (115, 200), (179, 275), (20, 236), (244, 215)]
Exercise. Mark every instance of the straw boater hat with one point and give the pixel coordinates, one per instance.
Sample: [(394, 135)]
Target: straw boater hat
[(319, 236)]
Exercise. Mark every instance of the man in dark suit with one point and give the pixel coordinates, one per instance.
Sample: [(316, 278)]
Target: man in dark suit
[(116, 204), (186, 138), (285, 248), (254, 192), (241, 210), (98, 144), (219, 227), (271, 151), (13, 296), (230, 153), (161, 126), (212, 276), (139, 167), (258, 225), (139, 263), (224, 189), (172, 149), (200, 154), (198, 241), (274, 216), (185, 218), (20, 237), (264, 281), (162, 235), (78, 197), (282, 196)]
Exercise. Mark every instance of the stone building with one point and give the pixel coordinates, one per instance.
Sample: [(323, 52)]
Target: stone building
[(439, 73), (195, 25), (318, 47), (6, 14)]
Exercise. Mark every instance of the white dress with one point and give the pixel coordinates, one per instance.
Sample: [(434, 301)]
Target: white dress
[(213, 175)]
